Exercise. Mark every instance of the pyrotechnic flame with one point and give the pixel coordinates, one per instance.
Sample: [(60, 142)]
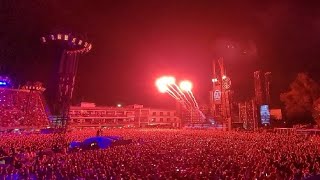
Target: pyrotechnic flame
[(186, 86), (194, 99), (170, 80), (181, 95), (162, 85), (166, 84)]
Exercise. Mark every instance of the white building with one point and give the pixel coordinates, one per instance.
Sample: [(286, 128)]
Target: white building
[(87, 114)]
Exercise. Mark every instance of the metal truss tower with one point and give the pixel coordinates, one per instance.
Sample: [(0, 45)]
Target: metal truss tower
[(220, 96), (68, 48)]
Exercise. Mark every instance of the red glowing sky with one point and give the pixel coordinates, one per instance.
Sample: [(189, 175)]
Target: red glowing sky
[(135, 42)]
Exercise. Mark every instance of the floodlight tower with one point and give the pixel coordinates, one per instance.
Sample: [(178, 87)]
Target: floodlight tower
[(220, 94), (68, 47)]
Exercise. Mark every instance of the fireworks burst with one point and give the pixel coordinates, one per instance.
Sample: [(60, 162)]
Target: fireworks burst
[(167, 84)]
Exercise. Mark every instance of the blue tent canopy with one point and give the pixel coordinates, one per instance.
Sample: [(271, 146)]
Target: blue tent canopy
[(75, 144), (103, 142)]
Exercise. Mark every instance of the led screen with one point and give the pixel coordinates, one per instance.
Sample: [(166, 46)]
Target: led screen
[(265, 114)]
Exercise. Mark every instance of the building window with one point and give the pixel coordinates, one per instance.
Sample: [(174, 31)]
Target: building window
[(174, 119), (154, 113), (145, 112), (144, 119), (161, 119), (168, 113), (168, 119), (175, 114), (161, 113)]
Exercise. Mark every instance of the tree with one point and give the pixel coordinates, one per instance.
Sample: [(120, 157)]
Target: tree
[(299, 100), (316, 111)]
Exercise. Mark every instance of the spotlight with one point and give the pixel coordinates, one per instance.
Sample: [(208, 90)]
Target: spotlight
[(214, 80)]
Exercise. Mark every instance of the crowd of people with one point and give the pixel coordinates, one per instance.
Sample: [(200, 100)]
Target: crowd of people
[(162, 154), (19, 108)]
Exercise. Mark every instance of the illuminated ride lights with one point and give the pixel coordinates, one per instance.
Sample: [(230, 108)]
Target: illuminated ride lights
[(72, 43)]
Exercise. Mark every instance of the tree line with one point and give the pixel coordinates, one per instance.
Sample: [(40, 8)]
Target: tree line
[(302, 101)]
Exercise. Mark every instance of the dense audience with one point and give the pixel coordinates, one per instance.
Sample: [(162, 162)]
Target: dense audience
[(21, 108), (163, 154)]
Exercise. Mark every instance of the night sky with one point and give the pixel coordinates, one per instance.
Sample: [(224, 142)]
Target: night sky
[(136, 41)]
